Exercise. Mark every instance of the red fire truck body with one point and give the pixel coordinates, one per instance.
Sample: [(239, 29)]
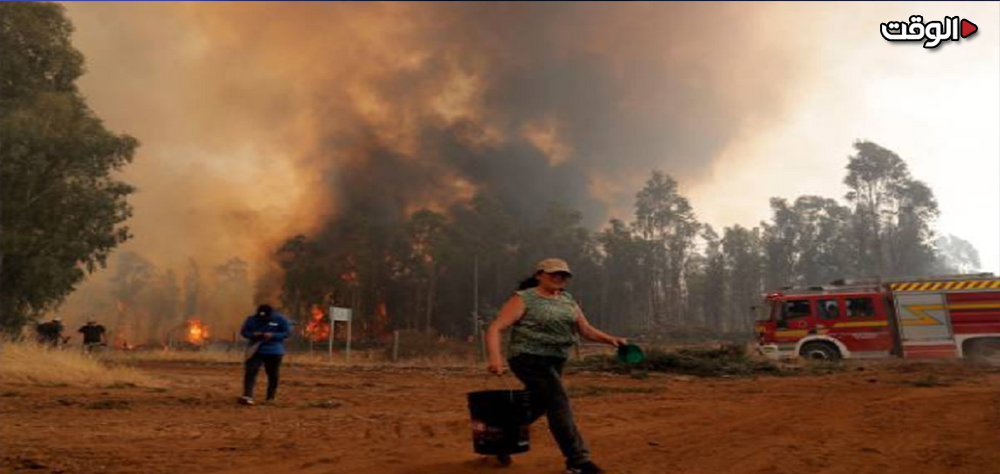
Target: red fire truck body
[(955, 316)]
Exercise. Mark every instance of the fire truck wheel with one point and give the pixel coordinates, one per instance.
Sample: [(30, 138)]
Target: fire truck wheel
[(986, 351), (819, 351)]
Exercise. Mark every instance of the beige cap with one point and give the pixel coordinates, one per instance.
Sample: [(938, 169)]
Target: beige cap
[(553, 265)]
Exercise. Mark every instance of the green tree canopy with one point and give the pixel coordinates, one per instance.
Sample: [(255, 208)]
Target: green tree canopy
[(62, 209)]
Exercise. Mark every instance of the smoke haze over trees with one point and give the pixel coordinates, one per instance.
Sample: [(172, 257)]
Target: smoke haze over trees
[(410, 143), (663, 271)]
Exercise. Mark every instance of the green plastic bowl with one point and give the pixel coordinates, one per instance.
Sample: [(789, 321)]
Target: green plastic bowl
[(630, 354)]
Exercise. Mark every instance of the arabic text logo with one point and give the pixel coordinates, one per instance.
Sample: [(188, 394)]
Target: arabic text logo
[(932, 33)]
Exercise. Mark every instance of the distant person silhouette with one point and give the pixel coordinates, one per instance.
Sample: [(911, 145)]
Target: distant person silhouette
[(94, 335), (50, 332)]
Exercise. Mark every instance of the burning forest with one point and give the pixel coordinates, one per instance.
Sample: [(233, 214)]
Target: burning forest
[(237, 229), (428, 153)]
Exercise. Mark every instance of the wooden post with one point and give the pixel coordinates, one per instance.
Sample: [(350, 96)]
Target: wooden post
[(347, 355), (395, 345), (329, 345)]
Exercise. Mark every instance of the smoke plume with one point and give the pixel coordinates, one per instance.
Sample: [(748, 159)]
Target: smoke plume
[(264, 120)]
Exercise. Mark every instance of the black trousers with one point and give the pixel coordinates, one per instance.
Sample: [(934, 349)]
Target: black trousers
[(542, 377), (272, 366)]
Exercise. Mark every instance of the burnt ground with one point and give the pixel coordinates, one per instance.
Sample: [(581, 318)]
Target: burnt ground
[(875, 418)]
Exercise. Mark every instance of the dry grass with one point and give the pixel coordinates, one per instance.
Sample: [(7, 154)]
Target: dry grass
[(161, 355), (28, 363), (363, 358)]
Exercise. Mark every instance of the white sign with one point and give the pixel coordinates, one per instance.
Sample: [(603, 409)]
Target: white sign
[(340, 314)]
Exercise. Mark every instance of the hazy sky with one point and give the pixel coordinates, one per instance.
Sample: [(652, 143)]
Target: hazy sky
[(249, 114)]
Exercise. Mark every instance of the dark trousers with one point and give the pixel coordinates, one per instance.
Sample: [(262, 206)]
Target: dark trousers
[(542, 377), (272, 365)]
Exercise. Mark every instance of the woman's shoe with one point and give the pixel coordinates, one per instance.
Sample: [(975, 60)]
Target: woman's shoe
[(587, 467)]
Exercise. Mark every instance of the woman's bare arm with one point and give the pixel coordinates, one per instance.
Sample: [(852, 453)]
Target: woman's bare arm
[(510, 313), (593, 334)]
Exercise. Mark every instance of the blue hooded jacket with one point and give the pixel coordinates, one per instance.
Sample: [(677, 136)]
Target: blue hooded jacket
[(276, 324)]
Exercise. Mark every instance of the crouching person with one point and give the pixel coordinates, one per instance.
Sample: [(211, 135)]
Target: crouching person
[(265, 332)]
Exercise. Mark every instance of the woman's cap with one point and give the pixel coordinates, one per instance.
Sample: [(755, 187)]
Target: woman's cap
[(553, 265)]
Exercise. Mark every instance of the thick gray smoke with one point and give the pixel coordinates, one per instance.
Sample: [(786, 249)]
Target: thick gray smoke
[(263, 120)]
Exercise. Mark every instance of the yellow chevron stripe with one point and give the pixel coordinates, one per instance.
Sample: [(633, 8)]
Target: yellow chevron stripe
[(946, 285), (923, 319)]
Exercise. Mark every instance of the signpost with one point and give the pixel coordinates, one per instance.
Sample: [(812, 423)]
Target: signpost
[(340, 314)]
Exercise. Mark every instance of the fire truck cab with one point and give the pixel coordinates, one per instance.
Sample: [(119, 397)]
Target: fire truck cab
[(940, 317)]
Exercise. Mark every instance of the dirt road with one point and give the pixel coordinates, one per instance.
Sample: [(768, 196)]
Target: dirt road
[(912, 418)]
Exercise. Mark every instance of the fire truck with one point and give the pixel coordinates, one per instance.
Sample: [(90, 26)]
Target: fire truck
[(938, 317)]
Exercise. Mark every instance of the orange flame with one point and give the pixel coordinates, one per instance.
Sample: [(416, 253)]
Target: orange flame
[(197, 332), (318, 327)]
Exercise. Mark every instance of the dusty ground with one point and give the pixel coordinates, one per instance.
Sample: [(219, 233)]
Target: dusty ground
[(893, 417)]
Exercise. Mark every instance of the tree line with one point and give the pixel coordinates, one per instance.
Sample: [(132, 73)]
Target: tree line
[(661, 271)]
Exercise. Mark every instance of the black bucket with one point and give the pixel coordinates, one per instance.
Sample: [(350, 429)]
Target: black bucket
[(500, 420)]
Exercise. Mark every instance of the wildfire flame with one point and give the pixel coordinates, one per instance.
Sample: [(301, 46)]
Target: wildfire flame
[(197, 332), (318, 327)]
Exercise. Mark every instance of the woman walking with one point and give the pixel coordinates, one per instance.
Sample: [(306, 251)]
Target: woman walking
[(545, 322)]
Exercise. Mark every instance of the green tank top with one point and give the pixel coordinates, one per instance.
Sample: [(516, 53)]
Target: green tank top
[(547, 328)]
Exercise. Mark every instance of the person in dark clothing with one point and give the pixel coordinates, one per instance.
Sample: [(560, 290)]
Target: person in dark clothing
[(94, 335), (546, 322), (265, 332), (50, 332)]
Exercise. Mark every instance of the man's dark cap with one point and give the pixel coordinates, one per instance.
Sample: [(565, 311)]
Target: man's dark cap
[(264, 310)]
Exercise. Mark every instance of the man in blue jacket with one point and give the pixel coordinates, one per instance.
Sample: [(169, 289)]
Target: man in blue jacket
[(265, 331)]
